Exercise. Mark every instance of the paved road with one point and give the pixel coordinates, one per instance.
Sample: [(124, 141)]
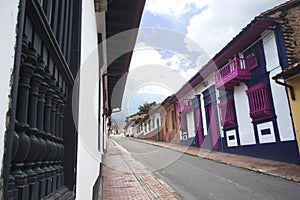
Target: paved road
[(197, 178)]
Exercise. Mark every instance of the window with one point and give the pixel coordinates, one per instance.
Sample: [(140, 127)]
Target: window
[(259, 102), (173, 119), (149, 126), (227, 114), (251, 61)]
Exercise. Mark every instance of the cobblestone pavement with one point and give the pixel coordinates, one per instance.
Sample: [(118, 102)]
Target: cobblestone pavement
[(269, 167), (126, 178)]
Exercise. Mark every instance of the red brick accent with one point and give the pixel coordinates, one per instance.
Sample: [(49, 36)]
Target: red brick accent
[(151, 136)]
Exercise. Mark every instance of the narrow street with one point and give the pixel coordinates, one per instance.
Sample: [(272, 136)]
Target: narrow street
[(198, 178)]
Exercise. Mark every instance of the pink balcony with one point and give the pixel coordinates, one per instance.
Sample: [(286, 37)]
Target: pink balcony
[(235, 72), (185, 106), (259, 102), (226, 114)]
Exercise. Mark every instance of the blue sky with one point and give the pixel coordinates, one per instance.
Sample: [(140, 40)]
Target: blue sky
[(209, 24), (151, 19)]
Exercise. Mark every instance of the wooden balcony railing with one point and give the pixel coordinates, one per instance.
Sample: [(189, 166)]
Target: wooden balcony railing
[(226, 114), (259, 102), (235, 71)]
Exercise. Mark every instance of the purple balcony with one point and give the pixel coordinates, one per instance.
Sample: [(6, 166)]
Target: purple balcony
[(185, 106), (235, 72), (259, 102)]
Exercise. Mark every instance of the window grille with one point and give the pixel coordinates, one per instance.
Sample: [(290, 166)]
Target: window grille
[(259, 102)]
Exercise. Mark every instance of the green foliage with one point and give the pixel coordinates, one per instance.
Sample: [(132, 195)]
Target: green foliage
[(143, 109)]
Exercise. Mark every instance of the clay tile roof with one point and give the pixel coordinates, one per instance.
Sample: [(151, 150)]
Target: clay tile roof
[(289, 72), (283, 6), (287, 16)]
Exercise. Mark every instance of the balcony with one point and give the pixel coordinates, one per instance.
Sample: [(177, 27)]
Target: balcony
[(259, 102), (235, 72), (185, 106), (226, 114)]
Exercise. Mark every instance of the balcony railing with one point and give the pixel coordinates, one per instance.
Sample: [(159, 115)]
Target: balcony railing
[(235, 71), (259, 102), (226, 114), (185, 106)]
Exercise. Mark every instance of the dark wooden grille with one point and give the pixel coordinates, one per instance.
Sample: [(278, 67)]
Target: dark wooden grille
[(38, 167)]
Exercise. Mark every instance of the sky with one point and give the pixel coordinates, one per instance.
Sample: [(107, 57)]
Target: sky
[(211, 23), (178, 37)]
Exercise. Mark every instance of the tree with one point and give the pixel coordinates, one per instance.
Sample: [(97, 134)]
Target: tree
[(143, 109)]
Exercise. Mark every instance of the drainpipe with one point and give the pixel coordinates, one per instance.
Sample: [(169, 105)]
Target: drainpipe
[(105, 110), (288, 86)]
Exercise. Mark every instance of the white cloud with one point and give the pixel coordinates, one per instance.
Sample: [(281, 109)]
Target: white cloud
[(173, 8), (144, 55), (213, 28), (188, 73), (150, 72), (155, 89)]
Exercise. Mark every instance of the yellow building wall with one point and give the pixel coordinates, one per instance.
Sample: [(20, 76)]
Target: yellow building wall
[(295, 106)]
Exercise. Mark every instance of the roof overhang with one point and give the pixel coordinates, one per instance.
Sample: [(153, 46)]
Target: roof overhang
[(289, 72), (121, 16)]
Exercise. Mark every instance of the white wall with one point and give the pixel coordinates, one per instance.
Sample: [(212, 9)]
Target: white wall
[(101, 28), (279, 94), (246, 131), (89, 158), (8, 17), (190, 124)]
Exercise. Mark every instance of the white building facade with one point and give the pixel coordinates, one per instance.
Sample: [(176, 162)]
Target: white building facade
[(57, 81)]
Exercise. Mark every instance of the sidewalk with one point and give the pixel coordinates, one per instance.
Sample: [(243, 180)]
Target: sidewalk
[(126, 178), (269, 167)]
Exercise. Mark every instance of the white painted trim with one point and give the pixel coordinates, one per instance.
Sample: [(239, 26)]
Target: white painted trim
[(203, 113), (280, 99), (246, 131), (190, 124), (270, 50), (282, 110), (270, 138), (231, 143)]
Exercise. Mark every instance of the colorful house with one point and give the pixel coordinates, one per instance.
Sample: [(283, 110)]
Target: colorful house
[(169, 121), (233, 105), (151, 124)]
